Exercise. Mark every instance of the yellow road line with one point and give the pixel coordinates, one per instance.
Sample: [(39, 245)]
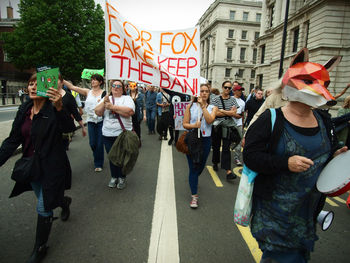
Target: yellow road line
[(214, 176), (251, 242), (237, 171), (339, 199), (330, 202)]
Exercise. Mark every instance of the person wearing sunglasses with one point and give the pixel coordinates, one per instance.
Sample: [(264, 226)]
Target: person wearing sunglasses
[(117, 103), (227, 108)]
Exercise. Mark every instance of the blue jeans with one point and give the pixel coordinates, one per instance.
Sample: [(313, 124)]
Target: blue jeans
[(116, 171), (96, 143), (151, 118), (194, 173), (285, 257), (38, 190)]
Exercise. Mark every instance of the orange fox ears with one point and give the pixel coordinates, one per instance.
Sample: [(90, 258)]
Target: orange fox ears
[(333, 62), (303, 56)]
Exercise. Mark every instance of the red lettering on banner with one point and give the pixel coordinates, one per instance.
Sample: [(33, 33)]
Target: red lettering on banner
[(177, 83), (141, 69), (169, 66), (179, 67), (194, 88), (143, 72), (190, 66), (164, 76), (121, 63)]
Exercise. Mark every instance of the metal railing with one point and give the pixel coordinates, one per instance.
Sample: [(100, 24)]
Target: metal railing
[(9, 99)]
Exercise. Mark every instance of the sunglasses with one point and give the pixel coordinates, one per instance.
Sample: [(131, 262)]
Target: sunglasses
[(116, 86), (227, 87)]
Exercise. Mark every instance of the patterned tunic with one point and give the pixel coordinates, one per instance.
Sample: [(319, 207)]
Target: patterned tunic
[(287, 221)]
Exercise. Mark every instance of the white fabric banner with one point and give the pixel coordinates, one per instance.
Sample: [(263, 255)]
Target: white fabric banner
[(167, 59)]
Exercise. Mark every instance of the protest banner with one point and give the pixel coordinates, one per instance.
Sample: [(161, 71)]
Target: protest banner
[(179, 112), (87, 73), (45, 79), (167, 59)]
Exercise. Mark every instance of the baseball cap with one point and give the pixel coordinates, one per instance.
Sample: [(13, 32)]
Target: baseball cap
[(238, 87)]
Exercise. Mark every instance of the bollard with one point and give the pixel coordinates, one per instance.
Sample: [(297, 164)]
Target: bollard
[(3, 99), (13, 98)]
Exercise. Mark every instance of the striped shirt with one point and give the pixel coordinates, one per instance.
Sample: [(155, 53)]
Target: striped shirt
[(229, 103)]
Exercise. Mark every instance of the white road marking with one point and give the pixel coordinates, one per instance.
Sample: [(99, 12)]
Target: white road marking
[(164, 244)]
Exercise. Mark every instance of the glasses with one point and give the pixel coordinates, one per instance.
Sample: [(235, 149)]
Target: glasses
[(116, 86), (227, 87)]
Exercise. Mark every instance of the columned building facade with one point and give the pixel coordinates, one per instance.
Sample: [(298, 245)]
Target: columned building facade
[(228, 31), (323, 26)]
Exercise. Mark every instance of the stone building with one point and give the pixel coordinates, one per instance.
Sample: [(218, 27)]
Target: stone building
[(11, 78), (323, 26), (228, 30)]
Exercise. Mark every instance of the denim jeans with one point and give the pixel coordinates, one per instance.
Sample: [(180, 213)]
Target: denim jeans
[(96, 143), (285, 257), (38, 190), (151, 118), (194, 173), (116, 171)]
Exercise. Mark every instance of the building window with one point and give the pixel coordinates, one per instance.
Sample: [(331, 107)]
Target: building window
[(260, 80), (307, 25), (258, 17), (232, 15), (257, 35), (262, 55), (227, 72), (240, 73), (242, 54), (229, 53), (271, 14), (251, 87), (244, 34), (6, 57), (230, 33), (295, 39), (252, 74), (255, 54), (245, 16)]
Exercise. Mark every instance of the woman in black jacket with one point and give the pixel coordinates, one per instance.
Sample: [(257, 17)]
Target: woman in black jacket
[(38, 127)]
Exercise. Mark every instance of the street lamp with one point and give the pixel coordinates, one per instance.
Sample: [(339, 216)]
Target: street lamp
[(208, 44)]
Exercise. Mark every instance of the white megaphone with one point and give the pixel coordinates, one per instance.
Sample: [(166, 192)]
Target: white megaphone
[(325, 219)]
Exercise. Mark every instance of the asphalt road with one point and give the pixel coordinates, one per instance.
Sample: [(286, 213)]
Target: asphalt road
[(7, 113), (110, 225)]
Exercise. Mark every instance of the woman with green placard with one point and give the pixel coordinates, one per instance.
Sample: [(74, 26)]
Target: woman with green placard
[(44, 166), (93, 97)]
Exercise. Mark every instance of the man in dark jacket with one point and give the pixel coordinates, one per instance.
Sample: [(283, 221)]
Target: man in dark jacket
[(253, 105)]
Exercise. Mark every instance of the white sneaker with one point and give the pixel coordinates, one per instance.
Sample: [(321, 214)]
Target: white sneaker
[(194, 201), (98, 169), (121, 183), (112, 182)]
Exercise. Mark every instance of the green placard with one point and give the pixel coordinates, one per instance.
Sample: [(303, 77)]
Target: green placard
[(46, 79), (87, 73)]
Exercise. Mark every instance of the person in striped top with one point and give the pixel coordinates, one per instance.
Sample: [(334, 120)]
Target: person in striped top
[(227, 108)]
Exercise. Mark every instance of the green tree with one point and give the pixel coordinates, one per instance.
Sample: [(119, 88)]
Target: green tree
[(67, 34)]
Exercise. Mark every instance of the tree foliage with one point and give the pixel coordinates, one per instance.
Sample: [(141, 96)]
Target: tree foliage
[(67, 34)]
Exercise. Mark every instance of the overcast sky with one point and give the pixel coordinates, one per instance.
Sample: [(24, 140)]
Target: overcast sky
[(148, 14)]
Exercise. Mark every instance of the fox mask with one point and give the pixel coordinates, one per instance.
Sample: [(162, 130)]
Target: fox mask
[(307, 82)]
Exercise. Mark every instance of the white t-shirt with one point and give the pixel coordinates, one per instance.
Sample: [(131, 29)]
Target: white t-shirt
[(240, 110), (111, 126)]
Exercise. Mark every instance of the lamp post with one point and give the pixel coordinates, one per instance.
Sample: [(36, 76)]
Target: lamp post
[(284, 36), (208, 44)]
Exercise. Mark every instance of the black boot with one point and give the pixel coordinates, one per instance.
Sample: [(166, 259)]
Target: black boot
[(65, 213), (43, 229)]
